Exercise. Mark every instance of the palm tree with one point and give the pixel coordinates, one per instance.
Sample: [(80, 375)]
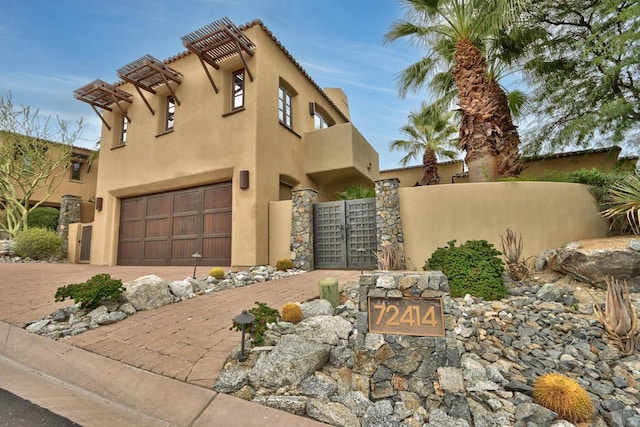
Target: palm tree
[(431, 134), (455, 31)]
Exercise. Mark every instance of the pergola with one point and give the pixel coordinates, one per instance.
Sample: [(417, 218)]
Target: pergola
[(103, 95), (216, 42), (147, 73)]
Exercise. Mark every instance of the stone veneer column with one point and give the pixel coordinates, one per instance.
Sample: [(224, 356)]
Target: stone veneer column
[(388, 222), (69, 213), (302, 228)]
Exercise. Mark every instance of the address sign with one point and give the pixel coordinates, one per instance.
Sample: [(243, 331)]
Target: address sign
[(421, 317)]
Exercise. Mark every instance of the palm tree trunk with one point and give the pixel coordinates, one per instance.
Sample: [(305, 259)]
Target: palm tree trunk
[(430, 168), (479, 135), (509, 163)]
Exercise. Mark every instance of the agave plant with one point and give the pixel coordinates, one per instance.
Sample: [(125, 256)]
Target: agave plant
[(512, 250), (619, 316), (624, 202)]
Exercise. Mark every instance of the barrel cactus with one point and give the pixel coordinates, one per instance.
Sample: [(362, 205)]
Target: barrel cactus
[(563, 396)]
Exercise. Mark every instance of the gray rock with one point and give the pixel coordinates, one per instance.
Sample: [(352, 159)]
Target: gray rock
[(380, 415), (182, 289), (38, 327), (451, 379), (128, 309), (325, 329), (356, 401), (317, 307), (291, 361), (549, 292), (439, 418), (58, 315), (332, 413), (232, 379), (593, 265), (318, 385), (634, 244), (293, 404), (534, 414), (147, 292)]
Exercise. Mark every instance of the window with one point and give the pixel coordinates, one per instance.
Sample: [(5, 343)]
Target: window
[(320, 122), (75, 171), (284, 107), (123, 135), (171, 111), (237, 97)]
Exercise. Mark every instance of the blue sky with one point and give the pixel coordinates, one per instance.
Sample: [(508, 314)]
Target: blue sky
[(50, 48)]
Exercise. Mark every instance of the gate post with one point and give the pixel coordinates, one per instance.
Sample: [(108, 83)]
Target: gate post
[(302, 228), (69, 214), (388, 221)]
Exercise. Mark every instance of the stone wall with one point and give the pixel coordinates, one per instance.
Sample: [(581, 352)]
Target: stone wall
[(302, 228), (70, 212), (388, 221), (404, 368)]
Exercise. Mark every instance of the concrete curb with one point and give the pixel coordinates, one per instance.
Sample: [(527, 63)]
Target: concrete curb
[(100, 391)]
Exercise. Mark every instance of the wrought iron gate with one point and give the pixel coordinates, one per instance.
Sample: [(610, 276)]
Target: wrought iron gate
[(85, 244), (345, 234)]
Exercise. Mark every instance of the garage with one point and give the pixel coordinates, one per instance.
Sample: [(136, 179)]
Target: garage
[(168, 228)]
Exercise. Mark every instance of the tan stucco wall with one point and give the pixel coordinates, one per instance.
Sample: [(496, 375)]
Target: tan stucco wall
[(604, 161), (279, 230), (546, 215), (410, 175), (209, 145)]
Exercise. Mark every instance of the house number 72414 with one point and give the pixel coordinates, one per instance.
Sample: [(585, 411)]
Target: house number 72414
[(406, 316)]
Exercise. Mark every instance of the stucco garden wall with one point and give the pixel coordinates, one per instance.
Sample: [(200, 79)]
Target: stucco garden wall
[(279, 230), (545, 214)]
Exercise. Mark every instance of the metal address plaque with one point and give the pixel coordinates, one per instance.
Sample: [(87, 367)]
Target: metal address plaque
[(420, 317)]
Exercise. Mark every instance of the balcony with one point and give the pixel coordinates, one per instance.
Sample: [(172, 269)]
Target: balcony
[(339, 156)]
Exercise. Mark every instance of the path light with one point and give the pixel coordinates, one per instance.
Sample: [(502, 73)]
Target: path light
[(195, 257), (243, 319)]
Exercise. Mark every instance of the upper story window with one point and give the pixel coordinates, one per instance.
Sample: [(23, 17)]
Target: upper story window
[(237, 96), (170, 112), (76, 167), (123, 134), (285, 114), (319, 121)]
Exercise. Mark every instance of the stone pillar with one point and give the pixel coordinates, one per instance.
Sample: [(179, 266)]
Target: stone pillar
[(388, 222), (302, 228), (69, 213)]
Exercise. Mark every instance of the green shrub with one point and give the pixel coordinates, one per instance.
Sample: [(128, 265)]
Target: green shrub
[(472, 268), (89, 294), (284, 264), (356, 192), (38, 243), (43, 217), (264, 314)]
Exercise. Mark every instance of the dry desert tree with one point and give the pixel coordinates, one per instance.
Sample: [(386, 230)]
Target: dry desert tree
[(512, 251), (619, 316)]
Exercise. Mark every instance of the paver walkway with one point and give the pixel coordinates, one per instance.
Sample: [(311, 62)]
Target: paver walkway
[(188, 341)]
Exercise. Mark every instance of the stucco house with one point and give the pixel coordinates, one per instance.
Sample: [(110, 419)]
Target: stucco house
[(78, 180), (195, 147)]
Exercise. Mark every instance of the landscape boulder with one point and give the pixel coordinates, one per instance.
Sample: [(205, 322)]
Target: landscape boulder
[(593, 263), (147, 292)]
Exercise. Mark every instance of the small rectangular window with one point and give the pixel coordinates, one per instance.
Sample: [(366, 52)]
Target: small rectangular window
[(75, 170), (123, 135), (319, 121), (284, 107), (171, 111), (237, 100)]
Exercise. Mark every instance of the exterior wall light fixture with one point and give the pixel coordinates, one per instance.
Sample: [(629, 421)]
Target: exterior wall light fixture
[(99, 202), (244, 179)]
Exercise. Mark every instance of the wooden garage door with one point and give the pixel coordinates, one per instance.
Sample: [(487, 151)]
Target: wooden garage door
[(167, 228)]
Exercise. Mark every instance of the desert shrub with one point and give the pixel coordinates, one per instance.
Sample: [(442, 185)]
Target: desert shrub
[(563, 396), (43, 217), (291, 312), (471, 268), (623, 203), (38, 243), (217, 273), (284, 264), (264, 314), (356, 192), (89, 294)]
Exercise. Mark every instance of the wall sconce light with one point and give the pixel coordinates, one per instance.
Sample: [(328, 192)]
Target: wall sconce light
[(244, 179), (99, 201)]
